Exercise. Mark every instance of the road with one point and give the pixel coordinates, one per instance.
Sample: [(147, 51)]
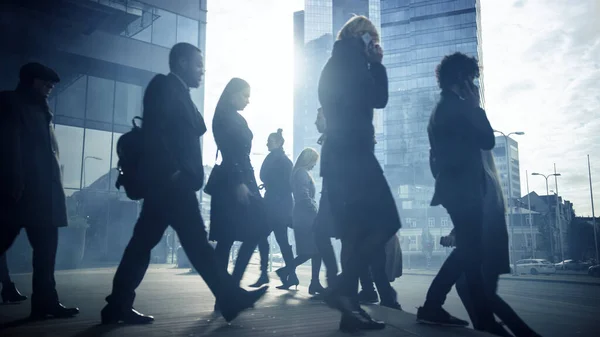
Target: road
[(552, 309)]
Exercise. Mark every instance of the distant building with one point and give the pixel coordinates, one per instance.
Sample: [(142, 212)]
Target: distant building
[(499, 153), (315, 29)]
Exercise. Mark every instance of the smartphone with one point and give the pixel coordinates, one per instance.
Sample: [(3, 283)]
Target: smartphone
[(368, 40)]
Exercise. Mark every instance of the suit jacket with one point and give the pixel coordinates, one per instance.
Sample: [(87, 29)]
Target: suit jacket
[(457, 134), (172, 129)]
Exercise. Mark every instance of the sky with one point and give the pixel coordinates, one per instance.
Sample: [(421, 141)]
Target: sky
[(541, 65)]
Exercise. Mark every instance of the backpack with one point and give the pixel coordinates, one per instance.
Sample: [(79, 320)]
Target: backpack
[(129, 151)]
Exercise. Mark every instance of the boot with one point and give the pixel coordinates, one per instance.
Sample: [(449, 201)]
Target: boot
[(10, 294), (292, 280), (262, 280)]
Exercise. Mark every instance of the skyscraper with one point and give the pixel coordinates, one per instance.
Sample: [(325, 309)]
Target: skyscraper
[(416, 35), (499, 153)]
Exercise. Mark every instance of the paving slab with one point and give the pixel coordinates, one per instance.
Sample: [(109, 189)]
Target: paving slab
[(182, 306)]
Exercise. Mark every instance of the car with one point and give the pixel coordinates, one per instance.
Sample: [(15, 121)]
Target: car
[(535, 266), (572, 265), (594, 270)]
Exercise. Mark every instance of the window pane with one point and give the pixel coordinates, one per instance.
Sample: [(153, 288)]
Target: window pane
[(115, 159), (100, 96), (96, 159), (164, 28), (70, 143), (71, 102), (187, 30), (128, 103)]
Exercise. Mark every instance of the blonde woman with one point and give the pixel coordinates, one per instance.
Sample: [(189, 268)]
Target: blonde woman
[(496, 259), (303, 218), (352, 84)]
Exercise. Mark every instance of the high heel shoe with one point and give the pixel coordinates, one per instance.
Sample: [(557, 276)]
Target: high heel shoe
[(315, 288), (292, 280), (10, 294)]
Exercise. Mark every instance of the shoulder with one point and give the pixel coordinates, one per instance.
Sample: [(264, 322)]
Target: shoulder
[(158, 83)]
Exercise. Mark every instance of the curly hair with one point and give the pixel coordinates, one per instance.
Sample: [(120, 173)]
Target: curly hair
[(455, 68)]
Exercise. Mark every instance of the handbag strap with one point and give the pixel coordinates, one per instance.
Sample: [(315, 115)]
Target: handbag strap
[(216, 156)]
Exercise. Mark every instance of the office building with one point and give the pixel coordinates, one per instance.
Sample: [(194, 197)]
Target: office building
[(106, 52), (502, 163), (416, 35)]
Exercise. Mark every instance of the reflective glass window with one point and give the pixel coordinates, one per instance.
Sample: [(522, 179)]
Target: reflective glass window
[(100, 99), (70, 144), (164, 28), (96, 159), (187, 30), (71, 101)]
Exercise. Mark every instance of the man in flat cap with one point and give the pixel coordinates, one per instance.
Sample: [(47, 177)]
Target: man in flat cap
[(31, 191)]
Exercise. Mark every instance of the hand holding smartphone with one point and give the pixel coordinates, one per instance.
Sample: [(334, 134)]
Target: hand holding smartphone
[(374, 51)]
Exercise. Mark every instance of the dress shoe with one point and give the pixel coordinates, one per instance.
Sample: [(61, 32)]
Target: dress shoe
[(55, 310), (262, 280), (359, 320), (315, 287), (10, 294), (231, 309), (113, 315)]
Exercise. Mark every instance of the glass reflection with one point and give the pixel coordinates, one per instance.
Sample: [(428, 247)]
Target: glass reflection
[(128, 103), (100, 96), (163, 28), (70, 143), (71, 102), (96, 160), (187, 30)]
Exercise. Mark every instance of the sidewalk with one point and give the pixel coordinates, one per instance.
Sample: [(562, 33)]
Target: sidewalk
[(554, 278), (182, 306)]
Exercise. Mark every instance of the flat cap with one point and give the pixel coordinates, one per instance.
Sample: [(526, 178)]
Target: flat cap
[(33, 70)]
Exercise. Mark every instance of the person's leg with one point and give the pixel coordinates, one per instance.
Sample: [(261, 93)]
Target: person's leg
[(147, 233), (263, 249), (503, 310), (44, 298), (4, 273), (387, 294), (281, 236), (189, 225), (222, 252), (243, 259), (327, 253), (367, 294)]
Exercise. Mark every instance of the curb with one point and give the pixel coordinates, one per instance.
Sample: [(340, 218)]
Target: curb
[(524, 279)]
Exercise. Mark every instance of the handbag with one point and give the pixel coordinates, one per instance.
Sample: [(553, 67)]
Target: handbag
[(215, 179)]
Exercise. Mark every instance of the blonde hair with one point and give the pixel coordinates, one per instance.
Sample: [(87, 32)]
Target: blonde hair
[(357, 26), (307, 158)]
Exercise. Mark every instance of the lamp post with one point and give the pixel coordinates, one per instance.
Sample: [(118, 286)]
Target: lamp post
[(548, 197), (593, 213), (85, 161), (508, 182), (533, 243)]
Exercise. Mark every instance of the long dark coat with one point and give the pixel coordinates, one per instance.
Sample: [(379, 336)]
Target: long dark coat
[(29, 153), (495, 234), (305, 212), (275, 174), (324, 223), (230, 220), (349, 89)]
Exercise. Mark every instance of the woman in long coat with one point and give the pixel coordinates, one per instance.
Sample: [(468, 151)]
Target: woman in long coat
[(303, 218), (237, 210), (275, 174), (496, 259), (352, 84)]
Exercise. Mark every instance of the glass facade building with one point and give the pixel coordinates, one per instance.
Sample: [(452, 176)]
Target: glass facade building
[(106, 56), (315, 30), (416, 35), (499, 153)]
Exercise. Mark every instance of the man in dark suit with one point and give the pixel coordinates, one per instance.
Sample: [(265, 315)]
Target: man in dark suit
[(458, 130), (171, 168), (31, 191)]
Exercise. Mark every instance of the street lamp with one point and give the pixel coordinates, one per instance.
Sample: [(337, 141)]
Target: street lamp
[(509, 221), (85, 161), (548, 196)]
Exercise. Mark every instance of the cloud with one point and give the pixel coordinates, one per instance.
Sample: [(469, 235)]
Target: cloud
[(542, 77)]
